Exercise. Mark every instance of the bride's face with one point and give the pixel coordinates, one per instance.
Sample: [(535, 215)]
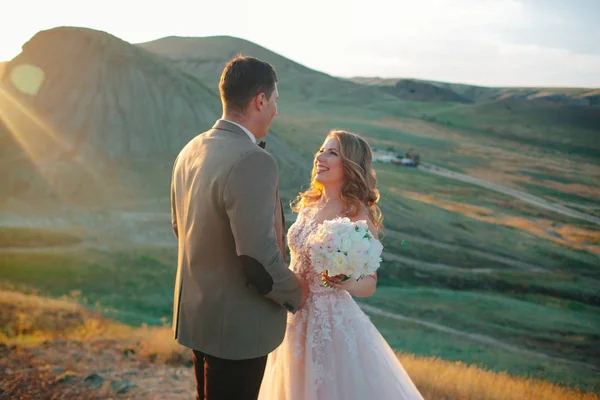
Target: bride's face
[(328, 163)]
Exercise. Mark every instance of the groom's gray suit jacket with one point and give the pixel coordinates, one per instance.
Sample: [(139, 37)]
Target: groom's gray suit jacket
[(233, 289)]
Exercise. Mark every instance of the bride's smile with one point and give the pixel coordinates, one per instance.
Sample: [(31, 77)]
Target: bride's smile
[(321, 169)]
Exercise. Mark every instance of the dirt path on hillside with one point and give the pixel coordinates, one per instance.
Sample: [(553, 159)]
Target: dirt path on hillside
[(432, 266), (582, 206), (524, 196), (475, 337)]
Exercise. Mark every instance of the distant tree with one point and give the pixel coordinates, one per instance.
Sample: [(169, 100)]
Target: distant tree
[(411, 155)]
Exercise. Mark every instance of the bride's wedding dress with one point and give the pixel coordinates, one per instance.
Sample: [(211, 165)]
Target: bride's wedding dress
[(331, 350)]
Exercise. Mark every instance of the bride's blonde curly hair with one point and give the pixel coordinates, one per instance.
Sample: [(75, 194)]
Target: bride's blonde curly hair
[(359, 186)]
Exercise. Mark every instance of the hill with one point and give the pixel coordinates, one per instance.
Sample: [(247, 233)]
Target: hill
[(425, 90), (204, 57), (412, 89), (99, 114), (563, 121)]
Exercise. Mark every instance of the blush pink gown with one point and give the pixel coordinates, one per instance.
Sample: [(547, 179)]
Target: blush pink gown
[(331, 351)]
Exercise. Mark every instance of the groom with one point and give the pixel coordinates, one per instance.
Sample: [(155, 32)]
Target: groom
[(233, 289)]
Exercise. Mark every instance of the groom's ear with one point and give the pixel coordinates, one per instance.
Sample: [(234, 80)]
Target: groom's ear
[(260, 100)]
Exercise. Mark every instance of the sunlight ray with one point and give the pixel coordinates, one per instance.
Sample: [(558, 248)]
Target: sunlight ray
[(38, 140), (49, 131), (31, 152)]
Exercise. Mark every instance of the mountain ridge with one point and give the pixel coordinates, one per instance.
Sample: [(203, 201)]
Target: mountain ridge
[(402, 87), (205, 57)]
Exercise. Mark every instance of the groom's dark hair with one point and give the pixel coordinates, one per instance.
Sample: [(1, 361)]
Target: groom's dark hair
[(242, 79)]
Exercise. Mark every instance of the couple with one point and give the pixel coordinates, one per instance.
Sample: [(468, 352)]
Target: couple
[(234, 292)]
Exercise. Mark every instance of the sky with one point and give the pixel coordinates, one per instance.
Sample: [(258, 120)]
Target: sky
[(483, 42)]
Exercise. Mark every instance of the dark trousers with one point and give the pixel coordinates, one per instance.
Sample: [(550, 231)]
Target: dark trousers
[(219, 379)]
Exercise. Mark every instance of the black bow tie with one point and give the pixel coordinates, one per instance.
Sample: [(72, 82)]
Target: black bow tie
[(261, 144)]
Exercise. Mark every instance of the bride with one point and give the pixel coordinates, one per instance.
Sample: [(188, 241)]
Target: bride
[(331, 349)]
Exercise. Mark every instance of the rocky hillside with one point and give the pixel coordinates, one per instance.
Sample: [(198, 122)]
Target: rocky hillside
[(85, 108), (421, 90)]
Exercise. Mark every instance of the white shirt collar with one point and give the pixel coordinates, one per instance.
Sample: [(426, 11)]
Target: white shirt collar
[(250, 135)]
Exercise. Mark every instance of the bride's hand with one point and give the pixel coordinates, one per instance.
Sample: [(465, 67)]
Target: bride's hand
[(362, 288), (332, 279), (338, 282)]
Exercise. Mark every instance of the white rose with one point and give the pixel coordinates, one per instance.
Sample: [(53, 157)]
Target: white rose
[(346, 244), (362, 246), (351, 272), (336, 241), (372, 265), (317, 248), (318, 265), (342, 225), (375, 248), (357, 259), (357, 236), (331, 226), (336, 225), (362, 224), (339, 263)]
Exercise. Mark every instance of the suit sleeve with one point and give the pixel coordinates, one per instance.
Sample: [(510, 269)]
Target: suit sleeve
[(173, 203), (250, 200)]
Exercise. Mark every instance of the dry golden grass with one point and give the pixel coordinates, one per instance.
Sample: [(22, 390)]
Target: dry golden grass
[(31, 319), (158, 345), (443, 380), (567, 235), (436, 379), (505, 168), (414, 126), (27, 319)]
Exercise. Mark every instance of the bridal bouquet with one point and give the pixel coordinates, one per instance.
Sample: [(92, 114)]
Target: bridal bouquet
[(343, 247)]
